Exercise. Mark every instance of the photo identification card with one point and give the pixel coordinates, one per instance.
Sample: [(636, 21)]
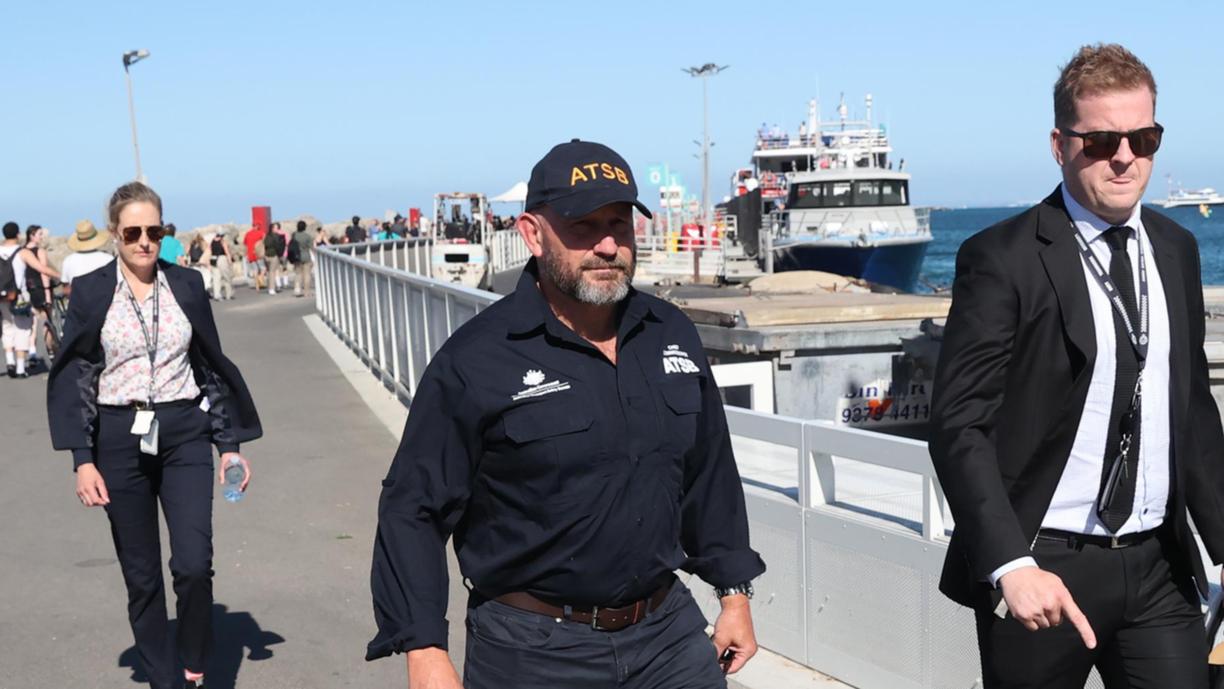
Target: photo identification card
[(143, 422)]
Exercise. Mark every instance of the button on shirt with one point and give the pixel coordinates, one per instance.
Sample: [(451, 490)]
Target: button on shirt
[(125, 379), (559, 474), (1073, 506)]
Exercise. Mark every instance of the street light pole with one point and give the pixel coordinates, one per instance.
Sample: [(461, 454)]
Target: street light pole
[(705, 71), (130, 58)]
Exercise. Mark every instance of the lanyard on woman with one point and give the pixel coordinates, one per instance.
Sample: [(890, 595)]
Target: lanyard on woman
[(150, 341)]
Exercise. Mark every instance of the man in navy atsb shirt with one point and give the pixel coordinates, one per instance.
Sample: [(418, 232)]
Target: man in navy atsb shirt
[(572, 440)]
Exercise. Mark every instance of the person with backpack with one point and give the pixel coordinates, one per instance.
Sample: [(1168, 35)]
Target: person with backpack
[(39, 277), (302, 245), (274, 252), (16, 323)]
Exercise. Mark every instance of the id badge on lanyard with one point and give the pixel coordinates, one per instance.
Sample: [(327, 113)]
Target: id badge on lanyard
[(145, 423)]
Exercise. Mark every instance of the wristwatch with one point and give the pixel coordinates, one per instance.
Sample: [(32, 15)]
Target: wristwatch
[(744, 588)]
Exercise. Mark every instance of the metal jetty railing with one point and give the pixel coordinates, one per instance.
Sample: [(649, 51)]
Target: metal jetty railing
[(852, 524)]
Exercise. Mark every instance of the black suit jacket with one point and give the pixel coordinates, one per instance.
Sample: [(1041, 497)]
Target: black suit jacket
[(1012, 379), (72, 387)]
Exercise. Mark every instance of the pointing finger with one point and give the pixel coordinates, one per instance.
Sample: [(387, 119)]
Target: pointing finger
[(1080, 621)]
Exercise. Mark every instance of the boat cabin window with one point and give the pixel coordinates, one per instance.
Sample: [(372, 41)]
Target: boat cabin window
[(867, 193), (891, 192)]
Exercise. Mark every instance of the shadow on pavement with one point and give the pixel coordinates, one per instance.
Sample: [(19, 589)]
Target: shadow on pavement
[(233, 634)]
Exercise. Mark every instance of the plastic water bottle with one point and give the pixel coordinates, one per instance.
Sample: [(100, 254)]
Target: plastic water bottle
[(234, 474)]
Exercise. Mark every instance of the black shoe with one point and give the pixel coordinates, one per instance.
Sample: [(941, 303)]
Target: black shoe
[(194, 684), (12, 371), (23, 374)]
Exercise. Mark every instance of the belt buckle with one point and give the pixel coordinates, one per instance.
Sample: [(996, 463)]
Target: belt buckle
[(142, 406), (1114, 544), (595, 618)]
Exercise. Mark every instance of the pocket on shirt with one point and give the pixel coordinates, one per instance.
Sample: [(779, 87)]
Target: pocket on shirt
[(682, 407), (547, 439)]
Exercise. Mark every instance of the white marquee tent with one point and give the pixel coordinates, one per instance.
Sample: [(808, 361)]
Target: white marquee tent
[(515, 194)]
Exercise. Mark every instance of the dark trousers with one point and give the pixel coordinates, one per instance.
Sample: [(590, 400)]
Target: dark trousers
[(1143, 607), (508, 648), (180, 477)]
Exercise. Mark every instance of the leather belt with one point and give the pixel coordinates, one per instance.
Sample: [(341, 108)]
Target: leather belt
[(1075, 540), (143, 406), (602, 619)]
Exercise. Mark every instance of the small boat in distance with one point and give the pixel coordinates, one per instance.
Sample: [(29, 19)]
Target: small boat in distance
[(1189, 197)]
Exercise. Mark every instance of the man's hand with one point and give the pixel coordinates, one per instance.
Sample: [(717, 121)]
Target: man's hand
[(1039, 600), (431, 668), (90, 488), (733, 632)]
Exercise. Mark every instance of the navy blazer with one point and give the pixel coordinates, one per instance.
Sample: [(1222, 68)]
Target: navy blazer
[(72, 387)]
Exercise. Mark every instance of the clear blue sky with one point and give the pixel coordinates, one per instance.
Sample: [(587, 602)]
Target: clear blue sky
[(358, 107)]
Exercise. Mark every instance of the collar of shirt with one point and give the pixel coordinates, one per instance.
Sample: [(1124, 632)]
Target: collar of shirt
[(530, 310), (1091, 225), (119, 281)]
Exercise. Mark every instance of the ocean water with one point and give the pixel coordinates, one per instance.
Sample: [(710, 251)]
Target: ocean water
[(951, 227)]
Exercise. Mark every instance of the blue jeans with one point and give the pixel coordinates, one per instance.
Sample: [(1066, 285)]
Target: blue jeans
[(508, 648)]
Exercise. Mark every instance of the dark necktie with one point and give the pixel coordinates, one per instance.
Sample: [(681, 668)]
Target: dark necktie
[(1114, 506)]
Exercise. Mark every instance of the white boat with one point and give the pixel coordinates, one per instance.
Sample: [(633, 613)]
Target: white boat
[(1190, 197), (835, 202)]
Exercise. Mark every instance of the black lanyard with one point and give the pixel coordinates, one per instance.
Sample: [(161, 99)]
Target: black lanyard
[(1138, 340), (150, 342)]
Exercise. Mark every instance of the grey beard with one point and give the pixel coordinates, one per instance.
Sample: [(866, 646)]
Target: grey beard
[(601, 293)]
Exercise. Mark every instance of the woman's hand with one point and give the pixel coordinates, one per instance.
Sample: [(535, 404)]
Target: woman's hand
[(225, 462), (90, 488)]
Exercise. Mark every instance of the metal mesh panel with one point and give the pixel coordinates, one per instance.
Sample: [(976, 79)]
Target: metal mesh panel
[(778, 607), (950, 637), (864, 607)]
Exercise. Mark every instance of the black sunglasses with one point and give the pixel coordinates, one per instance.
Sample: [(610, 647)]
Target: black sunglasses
[(131, 235), (1103, 145)]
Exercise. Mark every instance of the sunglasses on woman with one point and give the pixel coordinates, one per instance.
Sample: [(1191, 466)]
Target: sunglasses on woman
[(1103, 145), (131, 235)]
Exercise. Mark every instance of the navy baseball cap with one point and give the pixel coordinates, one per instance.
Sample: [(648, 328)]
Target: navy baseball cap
[(579, 177)]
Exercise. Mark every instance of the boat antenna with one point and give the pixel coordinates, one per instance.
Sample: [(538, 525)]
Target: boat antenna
[(842, 110), (869, 111)]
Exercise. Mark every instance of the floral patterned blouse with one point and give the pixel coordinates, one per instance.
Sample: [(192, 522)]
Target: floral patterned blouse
[(125, 379)]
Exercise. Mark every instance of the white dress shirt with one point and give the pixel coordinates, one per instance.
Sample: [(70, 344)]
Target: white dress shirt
[(1073, 507)]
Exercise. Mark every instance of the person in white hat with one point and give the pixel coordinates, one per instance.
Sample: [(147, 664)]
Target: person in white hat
[(87, 245)]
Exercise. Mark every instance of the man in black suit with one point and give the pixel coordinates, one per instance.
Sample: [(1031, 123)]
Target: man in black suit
[(1073, 418)]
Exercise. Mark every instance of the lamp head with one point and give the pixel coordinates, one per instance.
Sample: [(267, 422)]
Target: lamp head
[(131, 57)]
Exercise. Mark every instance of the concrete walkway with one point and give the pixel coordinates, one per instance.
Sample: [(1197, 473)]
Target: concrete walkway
[(292, 560)]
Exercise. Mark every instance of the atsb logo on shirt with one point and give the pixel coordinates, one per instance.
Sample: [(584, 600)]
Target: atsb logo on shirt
[(677, 361)]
